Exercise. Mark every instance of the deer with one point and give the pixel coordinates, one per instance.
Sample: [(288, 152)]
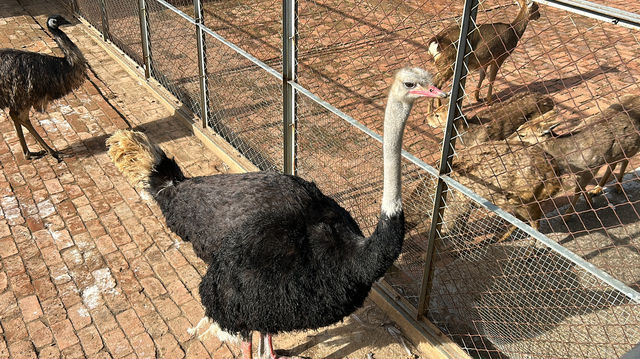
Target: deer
[(491, 45), (582, 146), (496, 122)]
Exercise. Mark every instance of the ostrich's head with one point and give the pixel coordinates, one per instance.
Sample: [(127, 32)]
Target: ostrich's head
[(55, 21), (413, 82)]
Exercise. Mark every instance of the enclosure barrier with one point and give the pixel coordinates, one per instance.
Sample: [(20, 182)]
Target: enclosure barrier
[(469, 264)]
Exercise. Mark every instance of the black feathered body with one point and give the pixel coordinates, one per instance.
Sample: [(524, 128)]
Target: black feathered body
[(30, 79), (282, 256)]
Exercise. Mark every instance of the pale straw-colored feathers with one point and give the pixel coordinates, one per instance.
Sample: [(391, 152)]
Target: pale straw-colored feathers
[(134, 155)]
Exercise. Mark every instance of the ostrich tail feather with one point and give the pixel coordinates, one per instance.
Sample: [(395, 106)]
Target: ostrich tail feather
[(134, 155)]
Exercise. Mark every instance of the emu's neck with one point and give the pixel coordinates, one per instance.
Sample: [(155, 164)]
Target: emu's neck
[(395, 118), (72, 53), (519, 24)]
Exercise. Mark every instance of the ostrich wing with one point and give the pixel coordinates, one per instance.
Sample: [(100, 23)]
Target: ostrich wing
[(258, 216)]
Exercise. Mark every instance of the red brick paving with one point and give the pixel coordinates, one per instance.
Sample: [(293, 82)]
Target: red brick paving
[(87, 268)]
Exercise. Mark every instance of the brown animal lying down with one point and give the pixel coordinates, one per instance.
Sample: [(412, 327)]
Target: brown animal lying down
[(496, 122), (582, 146), (516, 177)]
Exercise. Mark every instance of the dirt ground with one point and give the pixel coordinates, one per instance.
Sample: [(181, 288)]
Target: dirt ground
[(366, 334)]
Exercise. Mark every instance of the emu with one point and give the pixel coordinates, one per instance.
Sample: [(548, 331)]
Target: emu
[(30, 79)]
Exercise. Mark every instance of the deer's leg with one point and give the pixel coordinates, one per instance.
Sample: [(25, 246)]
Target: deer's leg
[(439, 80), (493, 71), (623, 167), (508, 233), (581, 183), (482, 74), (598, 190)]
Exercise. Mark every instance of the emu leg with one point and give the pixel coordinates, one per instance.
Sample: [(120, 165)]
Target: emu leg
[(482, 74), (23, 143), (272, 352), (27, 124)]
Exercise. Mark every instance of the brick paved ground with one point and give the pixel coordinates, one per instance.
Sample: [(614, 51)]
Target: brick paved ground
[(88, 268)]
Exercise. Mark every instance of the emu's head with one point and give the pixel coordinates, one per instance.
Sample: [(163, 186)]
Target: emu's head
[(55, 21)]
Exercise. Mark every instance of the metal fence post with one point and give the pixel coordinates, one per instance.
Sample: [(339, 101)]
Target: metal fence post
[(202, 63), (290, 64), (455, 104), (144, 35), (105, 20)]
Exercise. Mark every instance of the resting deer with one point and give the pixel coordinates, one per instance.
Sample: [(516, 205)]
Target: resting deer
[(582, 146), (491, 45), (496, 122)]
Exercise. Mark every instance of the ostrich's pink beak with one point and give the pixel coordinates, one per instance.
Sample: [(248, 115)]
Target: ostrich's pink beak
[(432, 91)]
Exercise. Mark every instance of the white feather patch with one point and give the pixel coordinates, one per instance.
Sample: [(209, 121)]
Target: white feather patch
[(433, 49), (212, 328)]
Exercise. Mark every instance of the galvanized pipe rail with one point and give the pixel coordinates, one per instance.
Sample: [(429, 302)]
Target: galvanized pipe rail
[(202, 63), (144, 37), (289, 70), (597, 11)]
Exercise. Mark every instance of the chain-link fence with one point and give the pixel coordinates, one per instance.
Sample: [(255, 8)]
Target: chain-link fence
[(527, 257)]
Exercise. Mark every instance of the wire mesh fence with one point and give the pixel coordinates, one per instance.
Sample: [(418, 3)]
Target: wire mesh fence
[(124, 27), (549, 105)]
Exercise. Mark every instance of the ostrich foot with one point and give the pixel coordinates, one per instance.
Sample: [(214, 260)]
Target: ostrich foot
[(268, 352), (33, 155)]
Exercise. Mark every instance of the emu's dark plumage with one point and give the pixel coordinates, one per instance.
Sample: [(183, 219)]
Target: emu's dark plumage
[(30, 79)]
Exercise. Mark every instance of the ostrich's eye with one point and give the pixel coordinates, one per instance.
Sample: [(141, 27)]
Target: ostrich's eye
[(409, 85)]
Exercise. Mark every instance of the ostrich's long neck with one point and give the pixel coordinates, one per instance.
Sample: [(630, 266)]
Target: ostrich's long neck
[(72, 53), (378, 252), (395, 116)]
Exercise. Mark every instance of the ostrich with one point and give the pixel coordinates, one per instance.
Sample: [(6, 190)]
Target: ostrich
[(30, 79), (282, 256)]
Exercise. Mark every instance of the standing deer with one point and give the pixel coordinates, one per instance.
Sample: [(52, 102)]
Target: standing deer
[(491, 45)]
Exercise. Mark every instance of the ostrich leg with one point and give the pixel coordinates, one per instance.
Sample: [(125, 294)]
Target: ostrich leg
[(272, 352), (15, 116), (247, 349)]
